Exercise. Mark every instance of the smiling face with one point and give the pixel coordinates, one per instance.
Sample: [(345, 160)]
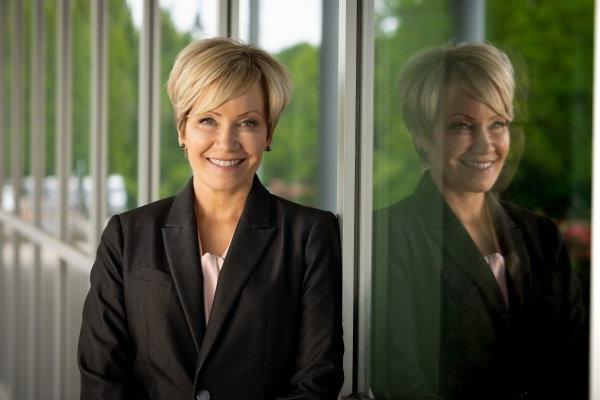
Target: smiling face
[(468, 147), (225, 145)]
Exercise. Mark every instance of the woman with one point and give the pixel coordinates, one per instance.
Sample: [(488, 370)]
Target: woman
[(223, 291), (474, 297)]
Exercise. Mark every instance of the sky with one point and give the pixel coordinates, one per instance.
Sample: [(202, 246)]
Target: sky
[(282, 22)]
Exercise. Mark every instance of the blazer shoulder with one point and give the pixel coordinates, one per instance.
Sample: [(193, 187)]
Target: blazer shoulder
[(298, 212), (525, 218), (151, 214), (536, 226)]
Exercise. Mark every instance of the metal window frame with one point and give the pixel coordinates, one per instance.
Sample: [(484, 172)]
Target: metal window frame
[(4, 300), (99, 116), (595, 262), (228, 15), (38, 145), (348, 138), (15, 376), (149, 105)]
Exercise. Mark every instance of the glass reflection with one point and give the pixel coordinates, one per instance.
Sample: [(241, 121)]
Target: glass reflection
[(473, 297)]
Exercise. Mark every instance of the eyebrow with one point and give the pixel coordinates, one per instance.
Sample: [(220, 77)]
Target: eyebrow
[(218, 115), (469, 116)]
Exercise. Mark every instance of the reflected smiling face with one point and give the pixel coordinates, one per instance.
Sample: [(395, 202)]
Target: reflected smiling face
[(225, 145), (468, 147)]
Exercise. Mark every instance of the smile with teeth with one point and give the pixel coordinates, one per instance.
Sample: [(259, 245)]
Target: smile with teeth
[(224, 163), (483, 165)]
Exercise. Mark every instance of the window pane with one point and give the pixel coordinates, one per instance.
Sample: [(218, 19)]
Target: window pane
[(50, 185), (481, 223), (79, 200), (7, 203), (302, 164), (181, 22), (123, 59)]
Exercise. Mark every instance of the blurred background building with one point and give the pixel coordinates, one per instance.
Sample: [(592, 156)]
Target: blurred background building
[(87, 131)]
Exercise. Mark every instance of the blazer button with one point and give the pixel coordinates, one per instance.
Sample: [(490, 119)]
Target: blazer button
[(203, 395)]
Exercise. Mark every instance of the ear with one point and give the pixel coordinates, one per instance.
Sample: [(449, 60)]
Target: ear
[(269, 135), (181, 134)]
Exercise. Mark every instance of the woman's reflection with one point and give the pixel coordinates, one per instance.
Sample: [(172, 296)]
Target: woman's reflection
[(473, 297)]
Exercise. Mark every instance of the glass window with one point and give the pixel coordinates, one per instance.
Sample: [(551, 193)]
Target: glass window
[(123, 59), (302, 163), (481, 223), (50, 186), (7, 203), (79, 198), (181, 22)]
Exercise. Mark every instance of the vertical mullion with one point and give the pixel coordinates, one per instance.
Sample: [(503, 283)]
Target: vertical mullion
[(327, 138), (98, 113), (63, 163), (156, 89), (16, 347), (38, 144), (365, 240), (595, 264), (346, 181), (228, 16), (149, 103), (4, 301)]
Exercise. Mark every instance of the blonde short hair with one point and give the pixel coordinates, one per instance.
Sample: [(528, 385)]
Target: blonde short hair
[(483, 70), (233, 67)]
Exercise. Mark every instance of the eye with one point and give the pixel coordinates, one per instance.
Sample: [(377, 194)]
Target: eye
[(498, 125), (249, 123), (207, 121), (460, 126)]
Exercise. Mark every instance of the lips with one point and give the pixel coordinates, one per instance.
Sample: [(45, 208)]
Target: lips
[(481, 165), (224, 163)]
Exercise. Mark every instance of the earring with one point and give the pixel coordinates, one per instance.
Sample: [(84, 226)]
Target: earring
[(182, 145), (268, 148)]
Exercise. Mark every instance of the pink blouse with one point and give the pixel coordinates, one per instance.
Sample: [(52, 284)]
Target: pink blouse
[(211, 267)]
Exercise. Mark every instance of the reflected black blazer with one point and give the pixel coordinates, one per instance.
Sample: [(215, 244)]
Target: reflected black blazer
[(441, 328), (274, 331)]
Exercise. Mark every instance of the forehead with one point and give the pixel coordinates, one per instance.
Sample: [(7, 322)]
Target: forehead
[(459, 100), (221, 97)]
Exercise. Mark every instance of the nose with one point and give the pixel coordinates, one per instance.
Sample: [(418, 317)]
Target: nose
[(482, 142), (228, 137)]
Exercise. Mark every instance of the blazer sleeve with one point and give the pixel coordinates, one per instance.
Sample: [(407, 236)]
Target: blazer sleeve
[(572, 359), (318, 371), (397, 364), (105, 351)]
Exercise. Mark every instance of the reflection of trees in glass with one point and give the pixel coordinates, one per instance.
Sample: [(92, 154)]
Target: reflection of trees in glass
[(555, 40), (401, 28)]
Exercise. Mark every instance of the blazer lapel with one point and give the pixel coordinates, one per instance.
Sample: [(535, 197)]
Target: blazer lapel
[(250, 240), (517, 259), (181, 245), (459, 251)]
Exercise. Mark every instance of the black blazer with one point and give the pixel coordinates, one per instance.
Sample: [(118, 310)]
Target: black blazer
[(275, 328), (441, 328)]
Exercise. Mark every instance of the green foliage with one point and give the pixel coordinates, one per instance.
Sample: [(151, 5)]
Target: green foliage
[(419, 24), (554, 40), (294, 157), (81, 122), (123, 79), (175, 170)]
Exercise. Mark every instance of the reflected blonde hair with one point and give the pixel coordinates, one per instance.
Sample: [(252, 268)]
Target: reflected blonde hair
[(232, 67), (481, 69)]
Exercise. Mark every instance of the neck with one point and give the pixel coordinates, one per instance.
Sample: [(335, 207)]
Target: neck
[(219, 206), (469, 207)]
